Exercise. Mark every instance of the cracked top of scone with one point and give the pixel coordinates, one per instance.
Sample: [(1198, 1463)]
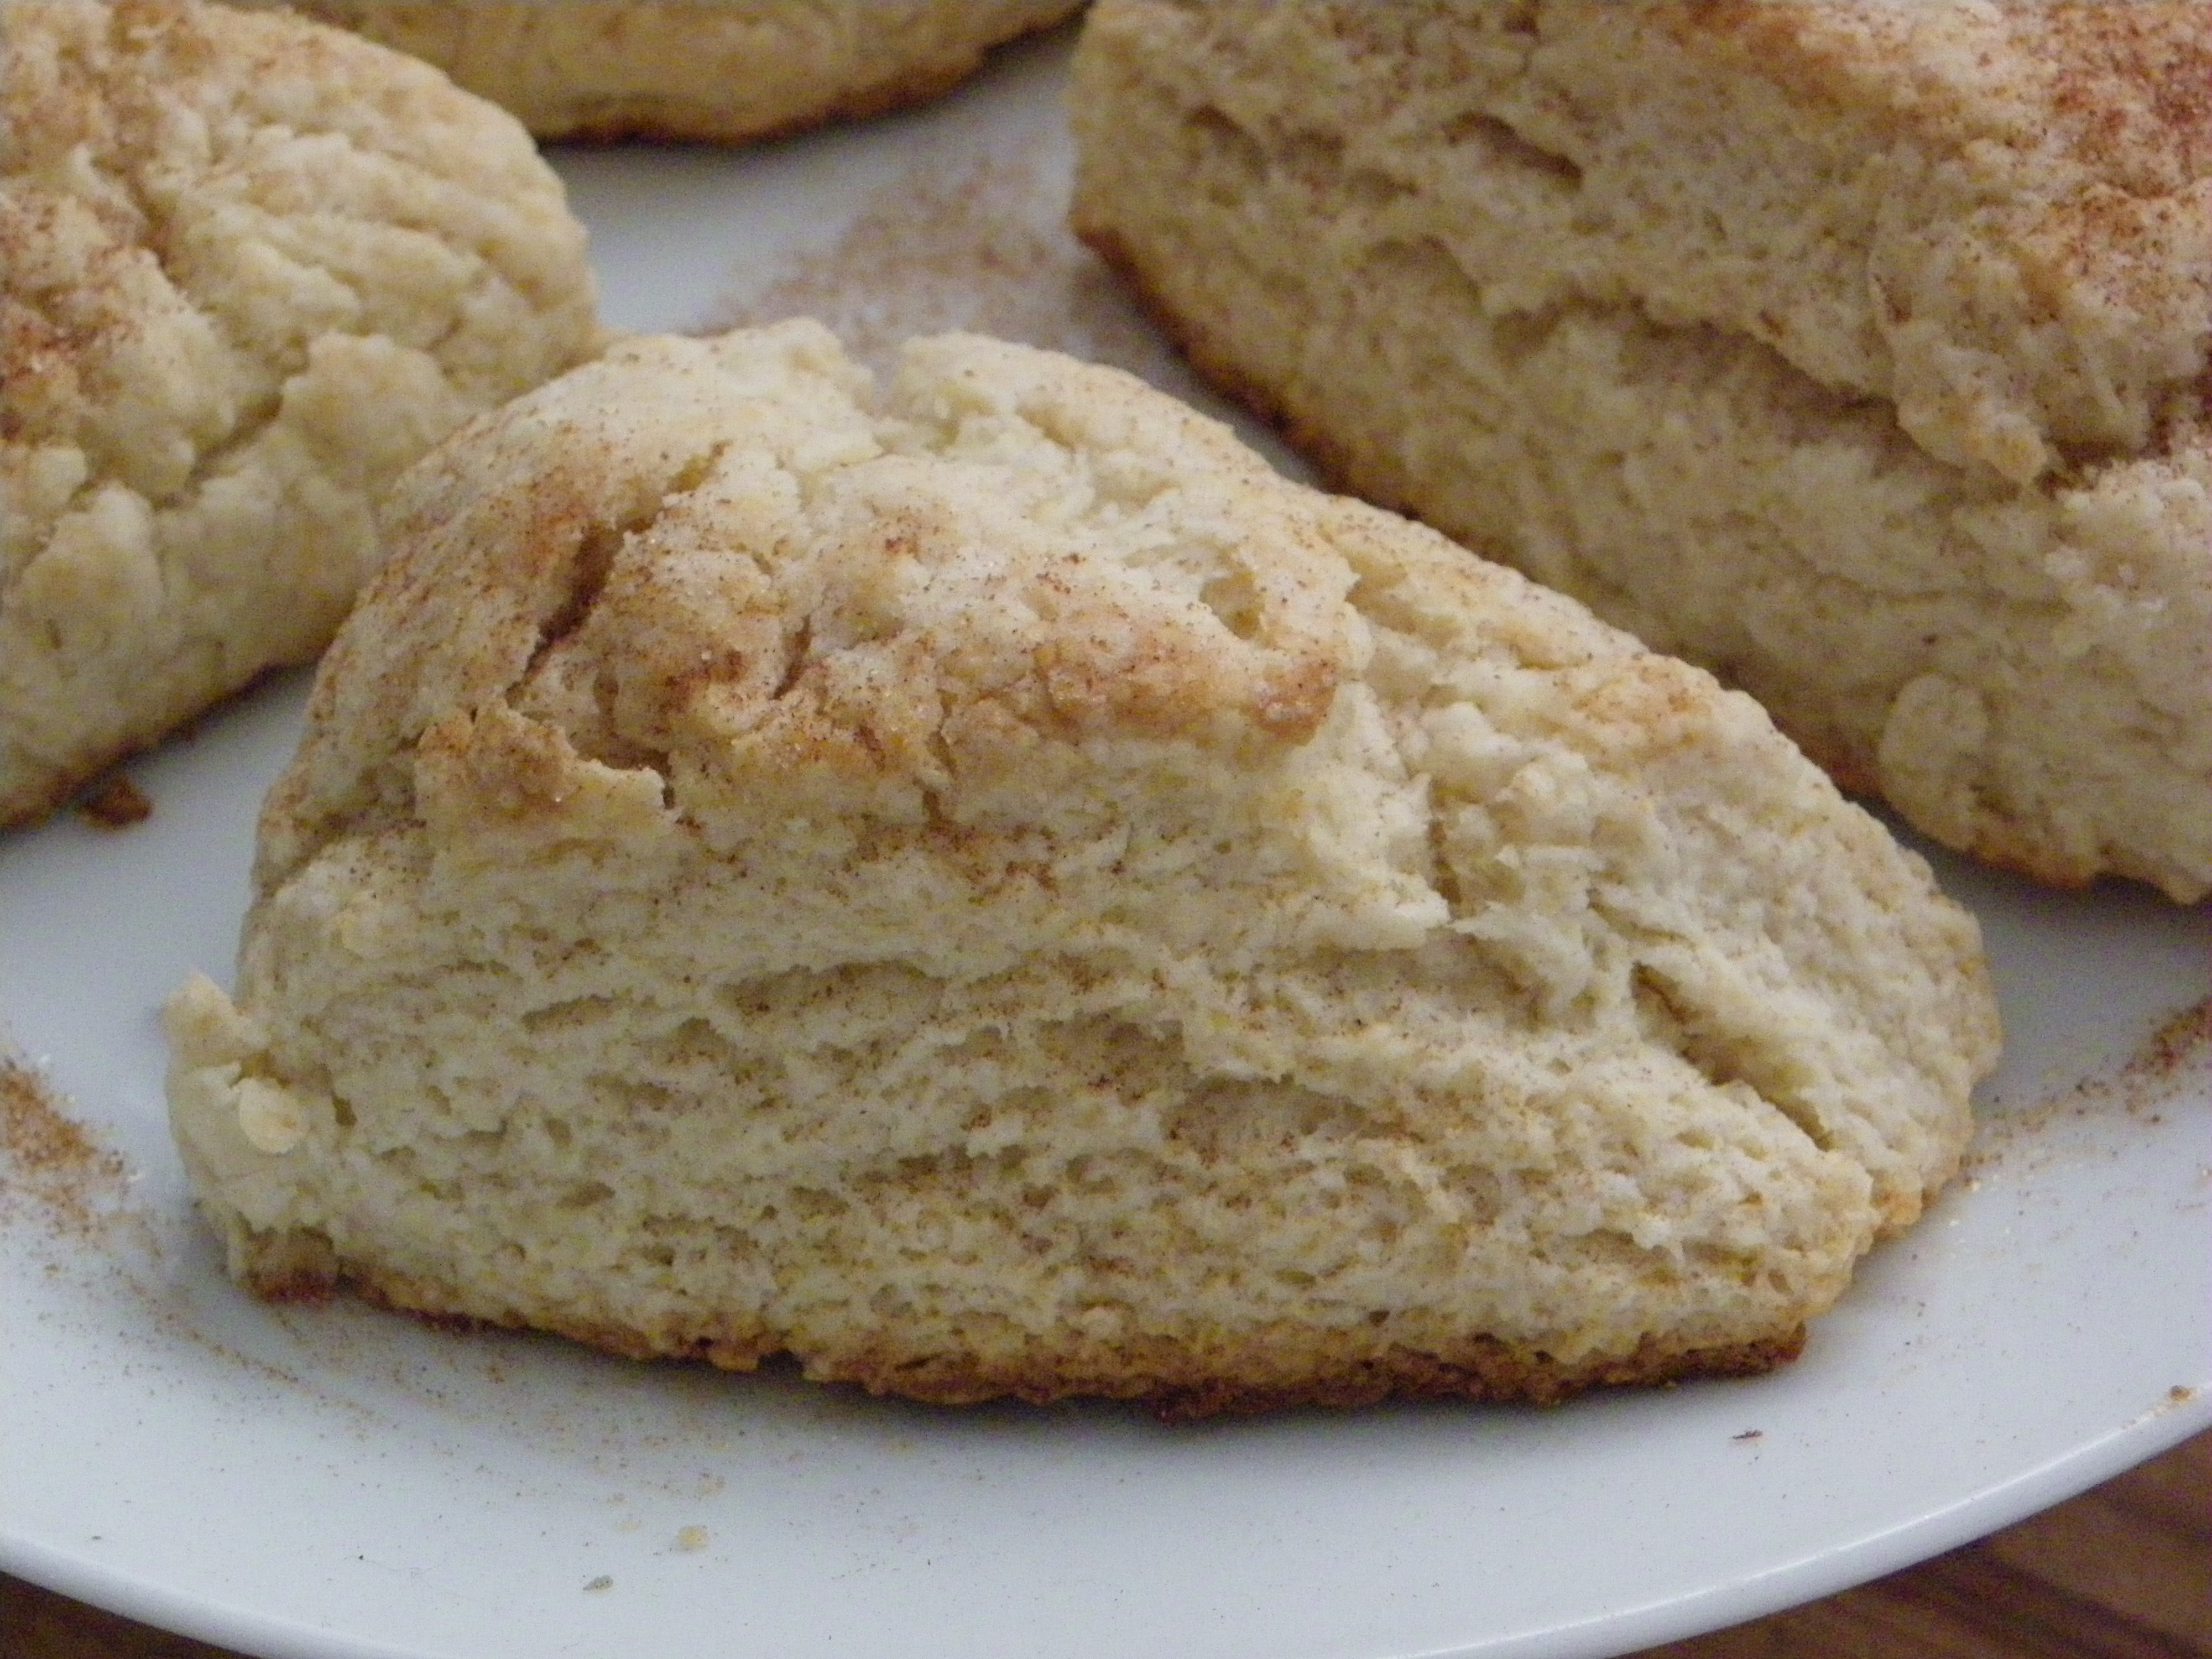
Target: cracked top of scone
[(714, 601), (249, 268), (1996, 216), (720, 563)]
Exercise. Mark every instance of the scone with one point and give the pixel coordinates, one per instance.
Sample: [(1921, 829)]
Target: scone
[(1001, 893), (715, 70), (1856, 350), (250, 269)]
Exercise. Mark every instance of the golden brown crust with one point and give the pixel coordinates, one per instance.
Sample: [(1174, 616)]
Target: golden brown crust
[(1180, 1382), (529, 559), (294, 1266), (1493, 1374), (1253, 1374)]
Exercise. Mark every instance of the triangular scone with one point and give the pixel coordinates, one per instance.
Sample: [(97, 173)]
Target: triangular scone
[(250, 268), (1001, 893)]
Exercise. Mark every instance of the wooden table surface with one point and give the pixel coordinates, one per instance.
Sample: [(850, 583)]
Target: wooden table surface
[(2121, 1572)]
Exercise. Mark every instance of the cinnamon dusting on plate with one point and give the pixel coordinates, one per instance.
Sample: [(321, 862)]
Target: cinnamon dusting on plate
[(985, 250), (2182, 1044), (2178, 1051), (51, 1165)]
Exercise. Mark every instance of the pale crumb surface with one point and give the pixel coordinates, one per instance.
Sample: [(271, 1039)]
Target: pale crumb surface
[(1857, 352), (249, 268), (986, 887)]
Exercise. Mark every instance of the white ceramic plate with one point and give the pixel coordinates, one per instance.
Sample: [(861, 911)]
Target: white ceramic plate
[(334, 1482)]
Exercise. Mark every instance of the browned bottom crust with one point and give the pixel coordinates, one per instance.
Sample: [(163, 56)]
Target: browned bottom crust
[(63, 789), (1238, 1375), (1476, 1368), (711, 126), (114, 802)]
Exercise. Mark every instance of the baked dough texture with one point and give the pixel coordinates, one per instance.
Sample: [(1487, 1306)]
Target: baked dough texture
[(1855, 350), (250, 269), (997, 892), (712, 70)]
